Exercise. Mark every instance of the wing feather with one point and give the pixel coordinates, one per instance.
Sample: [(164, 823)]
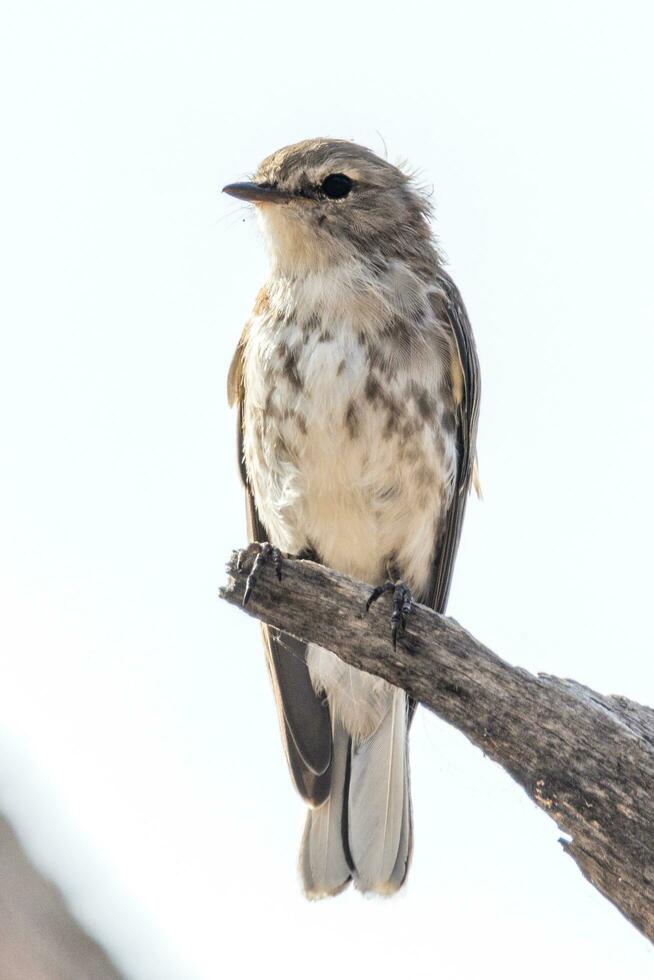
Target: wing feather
[(465, 382), (304, 718)]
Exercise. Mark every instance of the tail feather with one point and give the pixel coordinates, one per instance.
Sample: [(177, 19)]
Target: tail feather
[(399, 872), (379, 815), (323, 862)]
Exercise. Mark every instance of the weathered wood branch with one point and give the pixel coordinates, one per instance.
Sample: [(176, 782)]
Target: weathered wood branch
[(586, 759)]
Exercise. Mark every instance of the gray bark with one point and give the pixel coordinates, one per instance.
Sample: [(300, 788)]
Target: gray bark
[(584, 758)]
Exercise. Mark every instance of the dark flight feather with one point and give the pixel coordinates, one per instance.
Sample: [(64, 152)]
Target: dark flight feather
[(454, 316)]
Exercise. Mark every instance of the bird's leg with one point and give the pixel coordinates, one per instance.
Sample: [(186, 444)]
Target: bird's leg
[(264, 552), (402, 605)]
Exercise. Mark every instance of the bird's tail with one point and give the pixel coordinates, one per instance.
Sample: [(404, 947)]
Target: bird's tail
[(324, 863), (363, 830)]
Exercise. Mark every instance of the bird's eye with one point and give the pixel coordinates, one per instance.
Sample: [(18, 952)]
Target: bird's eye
[(336, 185)]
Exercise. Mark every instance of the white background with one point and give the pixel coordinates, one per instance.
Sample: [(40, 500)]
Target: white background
[(139, 754)]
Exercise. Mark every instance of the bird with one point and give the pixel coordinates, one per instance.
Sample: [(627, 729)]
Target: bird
[(356, 380)]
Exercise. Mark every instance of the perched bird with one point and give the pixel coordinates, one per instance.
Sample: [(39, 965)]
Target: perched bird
[(357, 385)]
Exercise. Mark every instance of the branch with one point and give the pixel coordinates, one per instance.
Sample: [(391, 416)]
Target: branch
[(587, 760)]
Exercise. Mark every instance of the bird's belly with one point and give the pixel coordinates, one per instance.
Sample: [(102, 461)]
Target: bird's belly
[(363, 510), (352, 465)]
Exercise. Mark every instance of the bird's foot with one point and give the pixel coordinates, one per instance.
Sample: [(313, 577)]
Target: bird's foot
[(402, 605), (263, 552)]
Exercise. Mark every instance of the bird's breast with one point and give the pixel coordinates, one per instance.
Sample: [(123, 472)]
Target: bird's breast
[(347, 453)]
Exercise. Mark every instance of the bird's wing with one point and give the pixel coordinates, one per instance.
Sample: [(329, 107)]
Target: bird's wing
[(465, 386), (303, 717)]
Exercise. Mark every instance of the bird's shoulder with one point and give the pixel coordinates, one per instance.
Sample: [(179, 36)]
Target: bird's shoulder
[(235, 375)]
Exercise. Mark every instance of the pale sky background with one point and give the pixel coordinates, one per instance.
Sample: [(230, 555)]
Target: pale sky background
[(139, 752)]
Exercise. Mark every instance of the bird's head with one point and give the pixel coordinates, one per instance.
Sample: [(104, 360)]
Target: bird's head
[(322, 202)]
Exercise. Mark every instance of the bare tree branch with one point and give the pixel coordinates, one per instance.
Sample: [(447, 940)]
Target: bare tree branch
[(586, 759)]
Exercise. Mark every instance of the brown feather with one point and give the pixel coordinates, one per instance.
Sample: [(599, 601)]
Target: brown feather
[(235, 373), (465, 383)]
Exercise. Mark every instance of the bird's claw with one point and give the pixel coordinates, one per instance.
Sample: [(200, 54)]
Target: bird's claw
[(264, 552), (402, 605)]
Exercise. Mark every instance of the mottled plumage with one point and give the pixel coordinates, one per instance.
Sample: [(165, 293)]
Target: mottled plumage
[(357, 385)]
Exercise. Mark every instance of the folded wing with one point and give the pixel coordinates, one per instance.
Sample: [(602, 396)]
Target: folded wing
[(304, 717)]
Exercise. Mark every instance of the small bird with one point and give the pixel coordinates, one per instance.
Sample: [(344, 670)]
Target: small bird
[(357, 385)]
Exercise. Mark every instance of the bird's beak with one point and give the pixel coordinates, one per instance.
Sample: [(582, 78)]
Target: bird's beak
[(258, 193)]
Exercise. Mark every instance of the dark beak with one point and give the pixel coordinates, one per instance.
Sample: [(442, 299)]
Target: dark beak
[(259, 193)]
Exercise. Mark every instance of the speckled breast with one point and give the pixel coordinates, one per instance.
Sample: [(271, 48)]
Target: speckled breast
[(349, 448)]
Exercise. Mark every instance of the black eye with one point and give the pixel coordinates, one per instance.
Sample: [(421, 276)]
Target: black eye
[(336, 185)]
